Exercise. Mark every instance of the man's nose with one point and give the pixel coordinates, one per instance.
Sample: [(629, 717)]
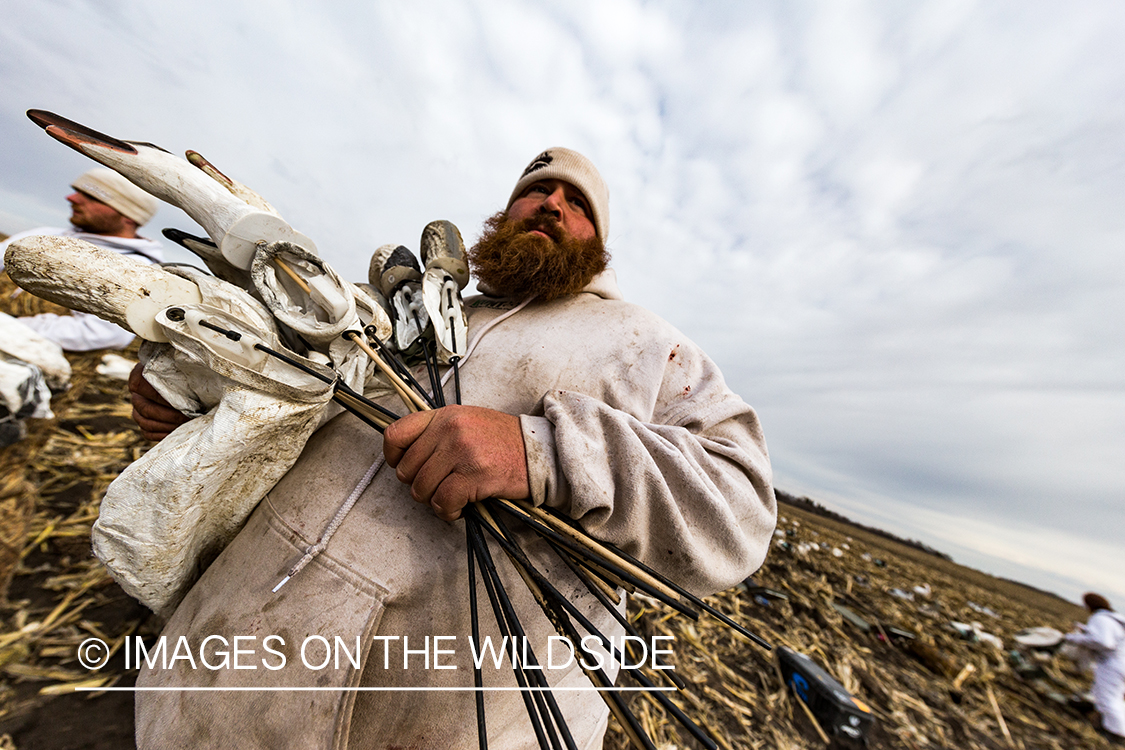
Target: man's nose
[(553, 204), (74, 198)]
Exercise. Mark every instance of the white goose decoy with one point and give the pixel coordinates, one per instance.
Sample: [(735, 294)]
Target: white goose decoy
[(254, 406), (234, 225), (394, 271), (81, 276), (250, 245), (447, 273)]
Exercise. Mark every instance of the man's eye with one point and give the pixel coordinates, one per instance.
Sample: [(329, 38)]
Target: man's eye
[(579, 204), (538, 189)]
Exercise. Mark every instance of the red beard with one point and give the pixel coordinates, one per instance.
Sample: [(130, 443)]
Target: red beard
[(516, 264)]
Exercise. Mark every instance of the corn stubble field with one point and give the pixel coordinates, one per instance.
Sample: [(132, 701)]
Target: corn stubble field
[(933, 690)]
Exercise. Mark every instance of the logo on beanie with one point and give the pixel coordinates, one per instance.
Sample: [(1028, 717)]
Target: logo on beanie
[(539, 162)]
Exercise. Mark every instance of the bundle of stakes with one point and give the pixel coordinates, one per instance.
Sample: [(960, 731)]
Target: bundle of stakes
[(601, 567)]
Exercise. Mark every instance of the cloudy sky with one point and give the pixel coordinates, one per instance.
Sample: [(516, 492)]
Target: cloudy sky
[(897, 227)]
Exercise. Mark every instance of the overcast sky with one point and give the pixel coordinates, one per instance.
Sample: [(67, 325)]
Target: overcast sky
[(897, 227)]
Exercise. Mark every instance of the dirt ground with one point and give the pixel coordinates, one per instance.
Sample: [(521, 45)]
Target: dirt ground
[(734, 689), (851, 605)]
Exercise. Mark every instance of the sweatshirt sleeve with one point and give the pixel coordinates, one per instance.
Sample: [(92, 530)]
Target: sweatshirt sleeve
[(682, 482), (79, 332), (1102, 634)]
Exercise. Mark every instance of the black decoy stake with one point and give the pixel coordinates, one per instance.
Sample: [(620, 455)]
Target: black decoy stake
[(534, 671), (392, 360), (478, 681), (343, 394), (669, 583), (500, 606)]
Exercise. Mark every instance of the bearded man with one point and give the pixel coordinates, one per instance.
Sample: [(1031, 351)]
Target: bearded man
[(105, 210), (575, 400)]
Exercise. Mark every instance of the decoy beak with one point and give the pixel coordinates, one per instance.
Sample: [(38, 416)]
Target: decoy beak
[(235, 187), (74, 134), (234, 225)]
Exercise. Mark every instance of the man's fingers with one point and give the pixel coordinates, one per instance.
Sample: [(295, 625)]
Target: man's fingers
[(434, 470), (138, 385), (401, 434), (151, 412), (156, 437), (146, 422), (136, 376), (456, 455), (451, 497), (152, 430)]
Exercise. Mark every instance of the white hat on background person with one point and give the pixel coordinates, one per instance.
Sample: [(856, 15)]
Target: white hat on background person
[(118, 193)]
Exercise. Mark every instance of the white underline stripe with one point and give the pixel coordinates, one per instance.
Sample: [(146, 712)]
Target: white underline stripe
[(373, 689)]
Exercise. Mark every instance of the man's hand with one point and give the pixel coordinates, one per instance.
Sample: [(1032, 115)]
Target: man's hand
[(151, 412), (456, 455)]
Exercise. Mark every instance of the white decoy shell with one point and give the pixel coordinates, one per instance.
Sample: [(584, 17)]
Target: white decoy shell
[(442, 247), (234, 225), (91, 279)]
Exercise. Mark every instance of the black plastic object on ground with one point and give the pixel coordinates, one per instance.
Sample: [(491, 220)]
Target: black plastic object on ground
[(840, 715)]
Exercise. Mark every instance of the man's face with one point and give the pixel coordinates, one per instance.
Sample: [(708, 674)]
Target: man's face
[(560, 199), (91, 215), (545, 244)]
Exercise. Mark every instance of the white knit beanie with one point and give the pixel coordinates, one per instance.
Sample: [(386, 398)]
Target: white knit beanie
[(559, 163), (118, 193)]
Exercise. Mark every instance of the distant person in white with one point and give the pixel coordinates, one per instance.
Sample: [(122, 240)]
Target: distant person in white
[(1104, 636), (106, 210)]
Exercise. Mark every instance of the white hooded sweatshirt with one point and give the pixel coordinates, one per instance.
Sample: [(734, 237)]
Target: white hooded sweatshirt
[(1104, 637), (628, 428), (79, 331)]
